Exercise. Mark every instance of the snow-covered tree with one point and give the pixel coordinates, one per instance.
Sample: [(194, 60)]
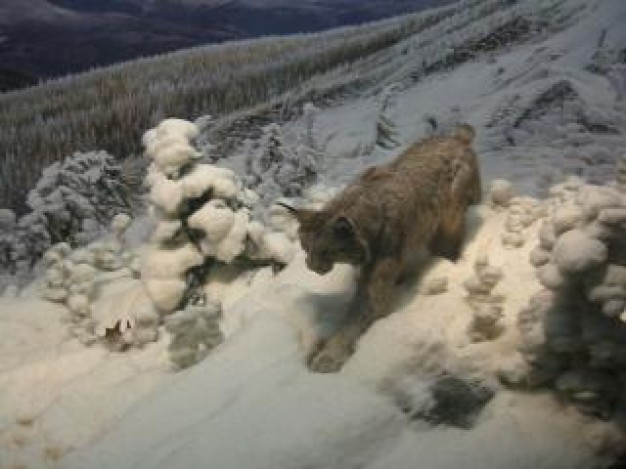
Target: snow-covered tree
[(277, 169), (204, 218), (71, 201), (8, 241), (311, 138), (203, 142), (386, 133)]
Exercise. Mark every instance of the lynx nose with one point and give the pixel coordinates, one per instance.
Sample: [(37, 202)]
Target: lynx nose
[(318, 267)]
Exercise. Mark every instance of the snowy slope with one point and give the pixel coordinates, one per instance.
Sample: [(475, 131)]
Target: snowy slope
[(252, 403), (496, 90)]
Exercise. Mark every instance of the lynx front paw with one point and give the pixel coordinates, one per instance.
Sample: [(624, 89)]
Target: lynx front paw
[(330, 358)]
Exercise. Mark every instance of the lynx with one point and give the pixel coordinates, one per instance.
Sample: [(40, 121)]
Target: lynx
[(389, 212)]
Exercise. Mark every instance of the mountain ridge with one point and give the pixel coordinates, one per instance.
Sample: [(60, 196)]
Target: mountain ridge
[(52, 38)]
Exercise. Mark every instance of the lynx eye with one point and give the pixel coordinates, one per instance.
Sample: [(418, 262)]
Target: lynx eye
[(342, 228)]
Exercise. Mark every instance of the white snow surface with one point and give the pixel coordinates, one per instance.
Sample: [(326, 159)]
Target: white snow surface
[(252, 403)]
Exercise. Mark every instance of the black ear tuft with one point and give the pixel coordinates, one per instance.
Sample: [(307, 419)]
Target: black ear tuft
[(303, 215), (343, 228), (291, 209)]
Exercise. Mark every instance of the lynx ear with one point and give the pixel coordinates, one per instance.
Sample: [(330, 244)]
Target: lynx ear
[(344, 228), (301, 214)]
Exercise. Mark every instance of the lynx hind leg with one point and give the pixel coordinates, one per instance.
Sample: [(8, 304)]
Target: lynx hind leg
[(448, 239)]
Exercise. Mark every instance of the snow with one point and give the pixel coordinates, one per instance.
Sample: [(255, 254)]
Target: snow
[(501, 192), (166, 194), (215, 219), (252, 403), (576, 252), (163, 272), (121, 222), (166, 230), (225, 230), (272, 245), (168, 144), (221, 181)]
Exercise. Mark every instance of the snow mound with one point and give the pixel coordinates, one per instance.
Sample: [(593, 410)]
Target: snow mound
[(574, 331), (420, 381)]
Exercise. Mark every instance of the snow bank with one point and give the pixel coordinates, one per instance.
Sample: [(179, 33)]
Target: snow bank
[(575, 330), (411, 392), (375, 413)]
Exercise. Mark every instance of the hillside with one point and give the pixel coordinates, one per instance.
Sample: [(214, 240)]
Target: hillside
[(525, 372), (111, 107), (52, 38)]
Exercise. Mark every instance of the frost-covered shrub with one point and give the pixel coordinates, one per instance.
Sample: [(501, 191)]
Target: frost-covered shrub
[(8, 241), (204, 218), (311, 137), (70, 203), (276, 168), (311, 146), (605, 58), (574, 331), (386, 133), (71, 276), (203, 141), (133, 173), (195, 331)]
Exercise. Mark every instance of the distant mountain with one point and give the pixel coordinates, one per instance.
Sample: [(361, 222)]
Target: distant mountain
[(48, 38)]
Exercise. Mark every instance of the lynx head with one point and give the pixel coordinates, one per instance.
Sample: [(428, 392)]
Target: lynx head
[(328, 239)]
